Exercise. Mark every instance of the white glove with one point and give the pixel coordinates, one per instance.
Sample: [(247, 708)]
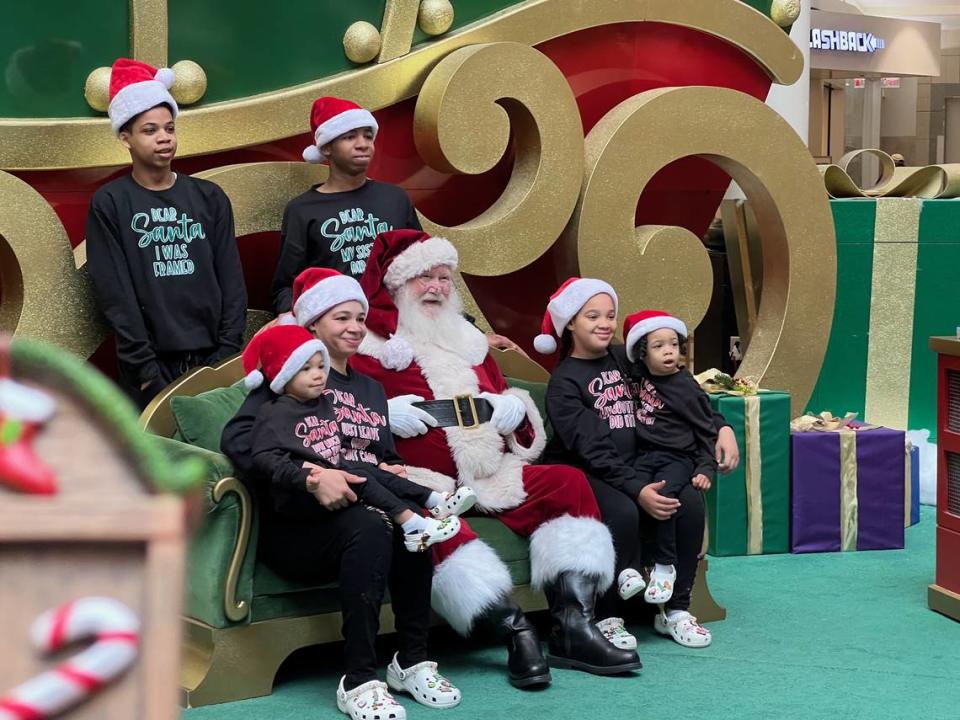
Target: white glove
[(407, 421), (508, 411)]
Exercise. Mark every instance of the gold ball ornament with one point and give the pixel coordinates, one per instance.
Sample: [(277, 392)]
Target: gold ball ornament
[(785, 12), (96, 90), (361, 42), (435, 16), (190, 82)]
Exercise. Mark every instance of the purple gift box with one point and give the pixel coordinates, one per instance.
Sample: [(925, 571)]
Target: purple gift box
[(875, 521)]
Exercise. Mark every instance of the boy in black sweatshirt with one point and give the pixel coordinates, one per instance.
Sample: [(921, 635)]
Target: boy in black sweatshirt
[(161, 250), (298, 428), (675, 428), (333, 224)]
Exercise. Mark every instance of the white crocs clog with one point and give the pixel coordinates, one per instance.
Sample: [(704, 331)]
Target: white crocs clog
[(629, 583), (683, 628), (423, 682), (370, 701), (455, 503), (660, 587), (614, 631), (436, 531)]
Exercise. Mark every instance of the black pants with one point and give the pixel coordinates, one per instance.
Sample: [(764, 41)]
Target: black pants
[(676, 469), (387, 491), (358, 547), (633, 534)]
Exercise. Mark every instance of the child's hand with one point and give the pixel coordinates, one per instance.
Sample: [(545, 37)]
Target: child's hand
[(400, 470), (701, 482)]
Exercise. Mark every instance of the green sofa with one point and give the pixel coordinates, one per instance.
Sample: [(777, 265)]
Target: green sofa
[(241, 619)]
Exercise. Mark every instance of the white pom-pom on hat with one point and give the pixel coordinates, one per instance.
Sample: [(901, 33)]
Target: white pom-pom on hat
[(397, 354), (312, 154), (253, 380), (165, 76), (545, 344)]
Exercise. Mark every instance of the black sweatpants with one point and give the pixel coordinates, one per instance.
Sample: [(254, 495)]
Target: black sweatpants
[(676, 469), (634, 537), (358, 547), (387, 492), (170, 366)]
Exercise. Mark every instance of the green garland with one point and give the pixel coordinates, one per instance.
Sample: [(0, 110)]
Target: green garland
[(115, 410)]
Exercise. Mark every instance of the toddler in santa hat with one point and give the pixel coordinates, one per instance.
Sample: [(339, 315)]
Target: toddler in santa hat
[(299, 426), (676, 429)]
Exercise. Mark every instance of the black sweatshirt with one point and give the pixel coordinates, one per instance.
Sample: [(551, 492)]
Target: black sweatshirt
[(166, 270), (360, 411), (674, 413), (336, 230), (592, 408)]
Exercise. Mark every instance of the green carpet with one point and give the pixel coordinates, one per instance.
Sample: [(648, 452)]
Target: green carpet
[(838, 635)]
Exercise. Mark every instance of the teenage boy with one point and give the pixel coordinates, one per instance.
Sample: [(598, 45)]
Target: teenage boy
[(333, 224), (160, 246)]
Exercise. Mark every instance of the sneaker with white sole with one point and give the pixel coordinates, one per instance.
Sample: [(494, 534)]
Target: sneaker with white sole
[(422, 681), (629, 583), (614, 630), (455, 503), (683, 628), (370, 701), (660, 588), (434, 532)]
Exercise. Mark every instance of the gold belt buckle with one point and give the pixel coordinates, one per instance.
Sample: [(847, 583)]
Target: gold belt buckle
[(475, 419)]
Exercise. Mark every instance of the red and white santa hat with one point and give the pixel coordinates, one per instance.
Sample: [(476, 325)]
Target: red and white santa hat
[(279, 353), (645, 322), (396, 257), (316, 290), (564, 304), (330, 118), (135, 87)]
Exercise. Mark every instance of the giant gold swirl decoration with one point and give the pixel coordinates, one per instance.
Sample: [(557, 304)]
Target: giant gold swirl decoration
[(46, 294), (667, 267), (932, 181), (482, 92)]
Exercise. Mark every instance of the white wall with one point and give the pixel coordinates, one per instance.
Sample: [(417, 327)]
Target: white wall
[(898, 114)]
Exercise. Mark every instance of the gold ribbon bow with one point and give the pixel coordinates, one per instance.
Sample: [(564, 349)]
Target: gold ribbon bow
[(932, 181)]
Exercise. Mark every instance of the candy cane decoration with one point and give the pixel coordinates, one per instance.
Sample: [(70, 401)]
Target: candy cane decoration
[(115, 629)]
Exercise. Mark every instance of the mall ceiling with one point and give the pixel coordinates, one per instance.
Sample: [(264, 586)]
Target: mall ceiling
[(945, 13)]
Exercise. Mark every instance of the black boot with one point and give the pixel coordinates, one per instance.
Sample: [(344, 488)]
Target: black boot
[(575, 641), (525, 662)]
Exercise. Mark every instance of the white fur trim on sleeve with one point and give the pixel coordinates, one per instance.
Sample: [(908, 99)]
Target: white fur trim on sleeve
[(528, 454), (419, 258), (429, 479), (394, 354), (468, 583), (571, 544)]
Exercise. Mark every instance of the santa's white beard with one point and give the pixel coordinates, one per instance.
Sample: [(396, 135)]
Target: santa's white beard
[(440, 324)]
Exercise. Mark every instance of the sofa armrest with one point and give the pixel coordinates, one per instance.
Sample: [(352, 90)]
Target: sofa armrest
[(222, 552)]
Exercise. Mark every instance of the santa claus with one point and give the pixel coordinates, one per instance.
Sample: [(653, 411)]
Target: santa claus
[(458, 423)]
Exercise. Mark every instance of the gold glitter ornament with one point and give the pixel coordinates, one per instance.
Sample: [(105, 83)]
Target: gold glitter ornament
[(435, 17), (96, 91), (785, 12), (361, 42), (190, 82)]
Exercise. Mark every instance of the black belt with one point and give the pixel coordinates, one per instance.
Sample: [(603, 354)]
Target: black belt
[(464, 411)]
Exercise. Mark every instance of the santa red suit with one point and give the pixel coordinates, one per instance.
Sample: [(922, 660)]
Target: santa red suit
[(436, 354)]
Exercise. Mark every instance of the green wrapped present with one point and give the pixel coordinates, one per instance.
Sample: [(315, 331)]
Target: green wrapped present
[(748, 511), (897, 261)]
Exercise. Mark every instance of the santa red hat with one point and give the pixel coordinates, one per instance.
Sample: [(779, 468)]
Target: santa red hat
[(564, 304), (318, 289), (645, 322), (330, 118), (396, 257), (279, 353), (135, 87)]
